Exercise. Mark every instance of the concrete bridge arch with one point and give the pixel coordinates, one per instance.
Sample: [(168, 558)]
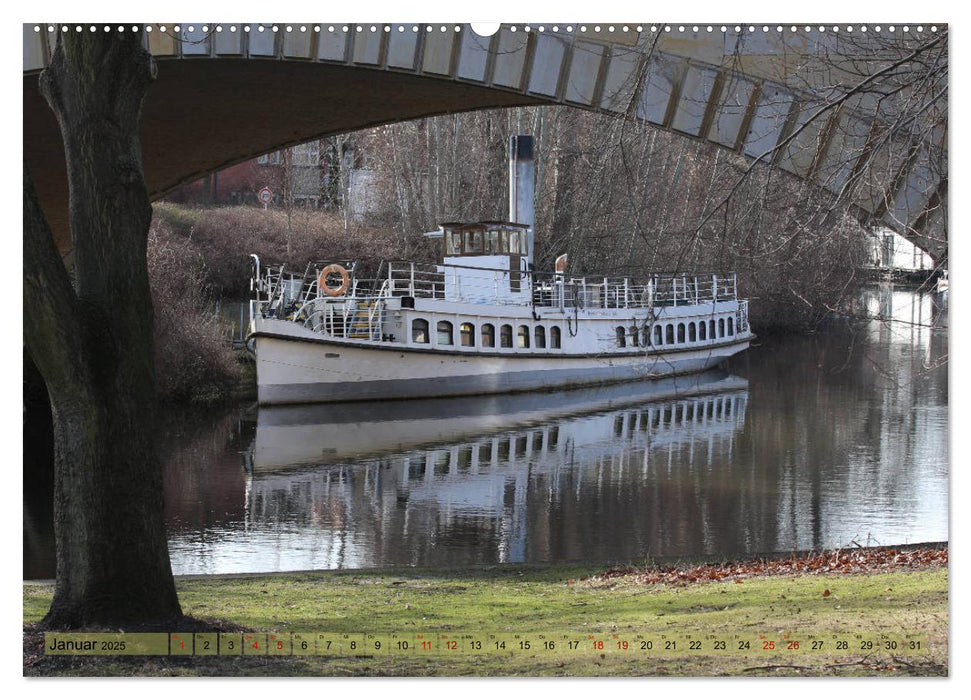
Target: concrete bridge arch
[(834, 107)]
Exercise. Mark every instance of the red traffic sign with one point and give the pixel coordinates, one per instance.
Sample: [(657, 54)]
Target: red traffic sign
[(265, 195)]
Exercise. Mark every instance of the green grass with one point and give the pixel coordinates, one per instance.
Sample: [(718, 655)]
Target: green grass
[(547, 600)]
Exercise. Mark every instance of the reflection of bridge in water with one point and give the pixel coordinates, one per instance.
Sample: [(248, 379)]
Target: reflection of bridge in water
[(492, 497)]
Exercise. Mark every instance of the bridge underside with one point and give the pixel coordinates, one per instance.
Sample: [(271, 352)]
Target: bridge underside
[(199, 118)]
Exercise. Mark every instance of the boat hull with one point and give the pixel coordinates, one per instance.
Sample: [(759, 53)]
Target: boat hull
[(292, 369)]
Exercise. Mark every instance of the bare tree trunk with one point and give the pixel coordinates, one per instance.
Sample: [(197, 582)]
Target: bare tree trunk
[(403, 218), (92, 342)]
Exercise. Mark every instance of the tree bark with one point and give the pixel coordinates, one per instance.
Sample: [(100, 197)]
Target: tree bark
[(92, 342)]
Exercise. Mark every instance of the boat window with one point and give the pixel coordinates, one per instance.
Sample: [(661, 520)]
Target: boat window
[(514, 242), (491, 242), (540, 332), (711, 329), (669, 334), (692, 333), (505, 336), (703, 331), (555, 337), (503, 241), (473, 242), (523, 337), (731, 326), (444, 333), (621, 337), (467, 335), (453, 243), (634, 336), (488, 335), (657, 335), (419, 331), (680, 332), (721, 328)]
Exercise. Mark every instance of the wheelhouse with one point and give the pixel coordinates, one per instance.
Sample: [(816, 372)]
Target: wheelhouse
[(483, 239)]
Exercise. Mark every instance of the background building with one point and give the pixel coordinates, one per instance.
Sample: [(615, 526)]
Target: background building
[(891, 251), (310, 174)]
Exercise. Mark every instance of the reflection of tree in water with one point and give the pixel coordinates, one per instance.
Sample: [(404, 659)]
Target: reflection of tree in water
[(870, 421), (200, 455), (203, 482), (38, 473)]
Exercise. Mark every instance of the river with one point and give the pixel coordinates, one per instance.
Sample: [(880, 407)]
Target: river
[(834, 439)]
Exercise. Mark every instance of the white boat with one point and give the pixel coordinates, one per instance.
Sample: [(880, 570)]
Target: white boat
[(483, 321)]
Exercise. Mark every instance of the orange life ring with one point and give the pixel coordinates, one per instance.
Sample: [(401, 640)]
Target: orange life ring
[(333, 291)]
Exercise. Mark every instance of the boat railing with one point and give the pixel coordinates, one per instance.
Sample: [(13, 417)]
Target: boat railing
[(283, 294), (625, 293), (490, 285), (742, 322), (275, 289), (419, 280)]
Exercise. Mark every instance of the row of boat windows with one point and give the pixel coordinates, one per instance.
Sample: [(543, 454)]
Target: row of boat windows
[(420, 333), (665, 334)]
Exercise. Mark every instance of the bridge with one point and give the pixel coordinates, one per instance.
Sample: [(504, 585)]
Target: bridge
[(859, 111)]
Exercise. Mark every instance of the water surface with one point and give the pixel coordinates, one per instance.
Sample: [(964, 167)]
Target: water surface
[(834, 439)]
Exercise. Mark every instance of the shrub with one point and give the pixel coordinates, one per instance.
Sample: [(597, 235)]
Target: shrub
[(193, 360), (225, 236)]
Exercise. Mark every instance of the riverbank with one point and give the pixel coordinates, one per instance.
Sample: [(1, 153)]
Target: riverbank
[(822, 596)]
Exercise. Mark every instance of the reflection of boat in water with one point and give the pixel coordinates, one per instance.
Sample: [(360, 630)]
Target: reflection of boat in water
[(506, 487), (288, 436)]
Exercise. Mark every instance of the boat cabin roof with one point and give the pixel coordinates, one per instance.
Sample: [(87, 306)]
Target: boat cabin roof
[(483, 238)]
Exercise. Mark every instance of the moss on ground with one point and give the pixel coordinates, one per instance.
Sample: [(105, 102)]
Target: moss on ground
[(555, 599)]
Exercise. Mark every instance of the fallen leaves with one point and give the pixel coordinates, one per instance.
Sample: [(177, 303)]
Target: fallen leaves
[(841, 561)]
